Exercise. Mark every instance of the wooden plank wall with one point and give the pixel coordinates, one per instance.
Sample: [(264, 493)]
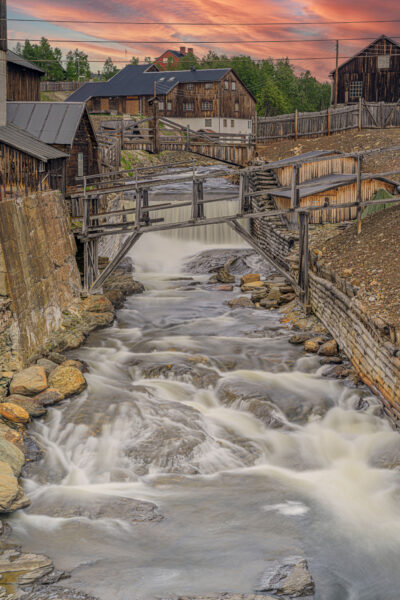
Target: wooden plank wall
[(23, 85), (313, 170)]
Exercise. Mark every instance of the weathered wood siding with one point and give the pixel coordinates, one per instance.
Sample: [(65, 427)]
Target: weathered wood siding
[(23, 85), (342, 195), (378, 84), (313, 170)]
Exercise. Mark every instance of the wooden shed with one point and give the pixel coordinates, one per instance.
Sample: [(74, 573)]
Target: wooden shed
[(331, 190), (23, 79), (373, 74), (64, 125), (314, 167)]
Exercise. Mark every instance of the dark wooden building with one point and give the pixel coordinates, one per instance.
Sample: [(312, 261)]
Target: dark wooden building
[(63, 125), (373, 74), (23, 79), (214, 99)]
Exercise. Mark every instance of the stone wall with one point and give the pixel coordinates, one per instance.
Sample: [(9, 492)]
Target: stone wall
[(38, 274)]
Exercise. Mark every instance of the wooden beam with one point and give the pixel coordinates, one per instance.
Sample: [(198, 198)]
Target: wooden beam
[(110, 268), (337, 73)]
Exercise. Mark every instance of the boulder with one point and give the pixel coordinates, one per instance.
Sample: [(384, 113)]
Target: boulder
[(29, 382), (286, 298), (274, 294), (67, 380), (290, 577), (13, 412), (249, 278), (116, 297), (56, 357), (313, 344), (224, 277), (329, 348), (32, 406), (241, 301), (49, 397), (331, 360), (250, 287), (259, 294), (125, 284), (48, 365), (267, 303), (299, 338), (28, 567), (225, 288), (11, 494), (97, 304), (10, 454), (75, 363)]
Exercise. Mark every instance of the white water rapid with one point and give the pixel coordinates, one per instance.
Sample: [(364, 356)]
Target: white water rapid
[(248, 450)]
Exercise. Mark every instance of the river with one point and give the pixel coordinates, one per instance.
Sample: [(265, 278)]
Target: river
[(247, 450)]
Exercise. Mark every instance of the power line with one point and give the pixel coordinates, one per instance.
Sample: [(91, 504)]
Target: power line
[(209, 24), (295, 40)]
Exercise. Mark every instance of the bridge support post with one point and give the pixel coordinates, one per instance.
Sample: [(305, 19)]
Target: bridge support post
[(197, 202), (303, 279), (294, 198), (244, 189)]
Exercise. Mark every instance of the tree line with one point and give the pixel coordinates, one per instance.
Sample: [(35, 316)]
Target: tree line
[(277, 87)]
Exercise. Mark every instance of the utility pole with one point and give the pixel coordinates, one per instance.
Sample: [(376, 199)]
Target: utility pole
[(156, 148), (337, 73), (3, 62)]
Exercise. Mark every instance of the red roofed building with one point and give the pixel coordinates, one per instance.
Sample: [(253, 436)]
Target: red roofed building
[(171, 57)]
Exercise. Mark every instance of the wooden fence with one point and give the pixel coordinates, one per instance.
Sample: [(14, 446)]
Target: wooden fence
[(364, 115), (60, 86)]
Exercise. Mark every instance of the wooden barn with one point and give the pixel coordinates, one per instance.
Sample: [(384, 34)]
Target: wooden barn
[(313, 168), (23, 79), (373, 74), (214, 99), (27, 164), (331, 190), (64, 125)]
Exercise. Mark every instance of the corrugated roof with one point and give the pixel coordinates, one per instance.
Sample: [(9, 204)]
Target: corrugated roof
[(136, 80), (21, 140), (323, 184), (301, 157), (50, 122), (22, 62)]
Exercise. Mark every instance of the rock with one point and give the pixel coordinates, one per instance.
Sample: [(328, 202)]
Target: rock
[(225, 288), (97, 303), (289, 578), (73, 339), (83, 367), (93, 321), (329, 348), (124, 283), (69, 381), (224, 277), (213, 279), (32, 406), (13, 412), (29, 567), (313, 344), (5, 380), (12, 455), (331, 360), (14, 436), (274, 294), (241, 301), (32, 450), (347, 272), (259, 294), (48, 365), (286, 298), (44, 592), (269, 304), (49, 397), (299, 338), (29, 382), (116, 297), (250, 287), (11, 494), (57, 357), (249, 278), (342, 371)]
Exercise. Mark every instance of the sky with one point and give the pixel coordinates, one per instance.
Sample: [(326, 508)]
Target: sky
[(126, 40)]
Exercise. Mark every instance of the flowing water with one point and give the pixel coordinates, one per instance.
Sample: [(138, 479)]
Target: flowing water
[(247, 450)]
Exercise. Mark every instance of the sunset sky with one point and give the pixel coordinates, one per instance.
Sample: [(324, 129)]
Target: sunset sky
[(263, 12)]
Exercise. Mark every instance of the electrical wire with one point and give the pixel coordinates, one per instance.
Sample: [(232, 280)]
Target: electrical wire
[(288, 41), (209, 24)]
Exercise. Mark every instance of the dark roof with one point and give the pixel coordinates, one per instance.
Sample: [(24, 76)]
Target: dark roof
[(136, 80), (174, 52), (381, 37), (323, 184), (50, 122), (301, 157), (21, 140), (22, 62)]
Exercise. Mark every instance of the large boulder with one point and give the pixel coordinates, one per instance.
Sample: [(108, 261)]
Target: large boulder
[(97, 303), (11, 495), (241, 302), (29, 382), (287, 578), (49, 397), (27, 567), (329, 348), (69, 381), (224, 277), (250, 278), (32, 406), (48, 365), (12, 455), (13, 412)]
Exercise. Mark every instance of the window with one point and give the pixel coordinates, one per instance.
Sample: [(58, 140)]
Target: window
[(161, 79), (80, 164), (206, 105), (384, 62), (189, 86), (249, 124), (232, 123), (171, 78), (169, 105), (233, 85), (165, 59), (236, 106), (161, 106), (355, 89), (188, 106), (226, 84), (225, 123), (209, 86), (208, 122)]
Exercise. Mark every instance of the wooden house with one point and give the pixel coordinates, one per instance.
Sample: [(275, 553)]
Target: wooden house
[(373, 74), (64, 125), (314, 167), (213, 99), (171, 58), (331, 190), (23, 79)]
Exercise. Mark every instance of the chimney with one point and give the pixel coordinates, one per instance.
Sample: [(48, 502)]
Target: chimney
[(193, 68), (182, 49), (190, 50), (3, 63)]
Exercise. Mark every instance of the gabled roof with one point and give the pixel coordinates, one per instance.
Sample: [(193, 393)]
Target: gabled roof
[(381, 37), (174, 52), (21, 140), (323, 184), (50, 122), (16, 59), (137, 80)]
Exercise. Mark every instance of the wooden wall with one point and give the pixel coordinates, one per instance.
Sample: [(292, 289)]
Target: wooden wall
[(379, 85), (342, 195), (313, 170), (23, 85)]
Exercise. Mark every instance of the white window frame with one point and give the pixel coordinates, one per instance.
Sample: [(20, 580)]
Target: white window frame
[(165, 60), (233, 86), (383, 61), (226, 85), (356, 89), (206, 105), (160, 105), (208, 86), (237, 106), (190, 86), (188, 106), (169, 105), (80, 164), (207, 122)]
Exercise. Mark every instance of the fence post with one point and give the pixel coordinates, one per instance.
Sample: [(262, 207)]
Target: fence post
[(145, 196), (187, 138), (359, 193), (329, 120), (303, 259), (294, 198), (360, 109), (138, 212), (244, 188), (296, 123)]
